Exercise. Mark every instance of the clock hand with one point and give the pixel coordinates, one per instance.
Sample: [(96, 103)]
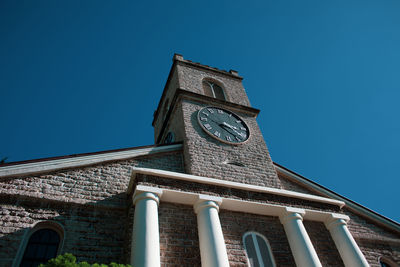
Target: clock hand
[(224, 127), (234, 129), (230, 126)]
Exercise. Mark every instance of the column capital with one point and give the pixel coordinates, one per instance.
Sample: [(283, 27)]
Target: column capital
[(290, 213), (207, 201), (146, 192), (336, 219)]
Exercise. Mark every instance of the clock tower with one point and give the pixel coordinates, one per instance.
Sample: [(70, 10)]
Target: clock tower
[(208, 110)]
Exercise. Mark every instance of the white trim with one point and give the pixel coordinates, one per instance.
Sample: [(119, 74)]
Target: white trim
[(229, 184), (46, 224), (290, 217), (189, 198), (258, 253), (359, 209), (57, 164), (254, 235)]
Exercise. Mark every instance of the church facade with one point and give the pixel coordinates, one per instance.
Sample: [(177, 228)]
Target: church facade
[(206, 194)]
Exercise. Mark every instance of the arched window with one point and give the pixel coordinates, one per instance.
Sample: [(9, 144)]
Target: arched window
[(258, 250), (43, 243), (214, 90), (385, 262)]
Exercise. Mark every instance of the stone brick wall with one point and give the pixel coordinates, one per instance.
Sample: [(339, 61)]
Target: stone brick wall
[(208, 157), (361, 226), (165, 102), (368, 234), (90, 203), (98, 223), (179, 241), (235, 225), (191, 78), (374, 240), (219, 191), (175, 124), (323, 244), (91, 233), (291, 185), (374, 249)]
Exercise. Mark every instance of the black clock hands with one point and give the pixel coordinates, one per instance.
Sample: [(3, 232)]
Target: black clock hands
[(223, 125), (234, 129), (227, 126)]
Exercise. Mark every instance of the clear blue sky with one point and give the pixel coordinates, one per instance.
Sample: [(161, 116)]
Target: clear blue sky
[(86, 76)]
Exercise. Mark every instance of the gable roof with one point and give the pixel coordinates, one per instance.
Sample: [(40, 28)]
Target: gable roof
[(350, 204), (79, 160), (37, 166)]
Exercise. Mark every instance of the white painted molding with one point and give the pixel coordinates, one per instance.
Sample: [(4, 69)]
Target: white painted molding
[(146, 189), (80, 161), (237, 205), (353, 206), (223, 183), (211, 200)]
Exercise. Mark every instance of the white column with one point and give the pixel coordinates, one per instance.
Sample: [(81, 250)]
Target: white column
[(303, 251), (344, 241), (145, 249), (212, 244)]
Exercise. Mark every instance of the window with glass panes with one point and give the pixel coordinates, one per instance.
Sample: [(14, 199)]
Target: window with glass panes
[(42, 246), (213, 90), (258, 251)]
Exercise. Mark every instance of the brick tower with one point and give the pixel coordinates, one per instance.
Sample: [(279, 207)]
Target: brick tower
[(234, 151)]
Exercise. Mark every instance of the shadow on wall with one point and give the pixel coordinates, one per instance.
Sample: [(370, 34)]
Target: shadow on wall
[(94, 231), (90, 203)]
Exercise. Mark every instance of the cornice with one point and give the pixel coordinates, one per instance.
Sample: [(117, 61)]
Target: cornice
[(80, 161), (237, 205), (229, 184)]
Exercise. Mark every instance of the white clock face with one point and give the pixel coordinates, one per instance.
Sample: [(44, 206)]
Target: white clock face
[(223, 125)]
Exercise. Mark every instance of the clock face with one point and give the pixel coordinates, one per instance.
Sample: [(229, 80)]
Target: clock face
[(223, 125)]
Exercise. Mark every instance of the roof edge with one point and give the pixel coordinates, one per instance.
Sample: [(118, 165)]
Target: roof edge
[(80, 160), (350, 204)]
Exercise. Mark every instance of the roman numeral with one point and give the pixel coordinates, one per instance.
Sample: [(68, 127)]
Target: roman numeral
[(220, 111), (205, 113), (203, 119), (210, 110), (218, 134), (208, 126), (228, 138)]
